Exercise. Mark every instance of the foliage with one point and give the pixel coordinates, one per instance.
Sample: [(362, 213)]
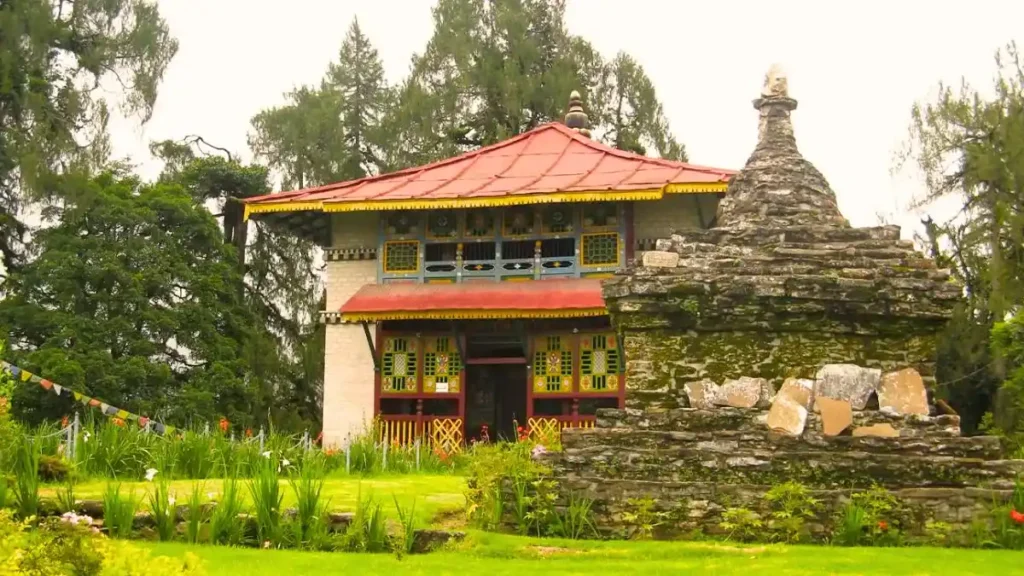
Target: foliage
[(1008, 344), (225, 527), (742, 524), (52, 468), (368, 531), (311, 515), (490, 469), (791, 505), (118, 511), (133, 298), (26, 485), (57, 547), (871, 517), (407, 521), (195, 512), (968, 144), (265, 492), (494, 69), (163, 510), (66, 500), (577, 522), (59, 58), (643, 518)]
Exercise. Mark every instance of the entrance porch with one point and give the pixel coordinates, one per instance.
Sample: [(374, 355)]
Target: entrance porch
[(487, 380)]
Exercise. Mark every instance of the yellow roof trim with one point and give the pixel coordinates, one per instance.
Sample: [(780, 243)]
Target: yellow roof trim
[(485, 202), (471, 314), (696, 188)]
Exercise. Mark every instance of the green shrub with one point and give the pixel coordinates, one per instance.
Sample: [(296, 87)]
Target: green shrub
[(58, 547), (851, 525), (742, 524), (310, 523), (578, 519), (407, 520), (52, 468), (790, 505), (118, 511), (266, 500), (643, 518), (26, 485), (195, 514), (499, 478), (368, 530), (161, 507), (225, 525)]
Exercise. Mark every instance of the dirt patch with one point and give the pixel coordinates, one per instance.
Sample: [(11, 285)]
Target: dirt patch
[(449, 519)]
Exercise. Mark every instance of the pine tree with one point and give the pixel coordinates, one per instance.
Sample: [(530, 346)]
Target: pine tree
[(52, 112)]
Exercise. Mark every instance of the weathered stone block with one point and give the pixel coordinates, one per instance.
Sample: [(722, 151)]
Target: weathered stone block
[(702, 393), (836, 415), (849, 382), (903, 392), (656, 259), (746, 392)]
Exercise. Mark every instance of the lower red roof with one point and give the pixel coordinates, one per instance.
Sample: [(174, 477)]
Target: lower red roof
[(476, 300)]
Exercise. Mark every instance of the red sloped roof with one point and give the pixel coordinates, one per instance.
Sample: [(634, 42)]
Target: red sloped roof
[(476, 300), (550, 163)]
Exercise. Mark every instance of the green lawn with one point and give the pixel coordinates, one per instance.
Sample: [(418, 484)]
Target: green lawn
[(433, 493), (495, 554)]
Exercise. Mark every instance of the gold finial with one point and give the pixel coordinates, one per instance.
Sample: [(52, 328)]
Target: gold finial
[(576, 118)]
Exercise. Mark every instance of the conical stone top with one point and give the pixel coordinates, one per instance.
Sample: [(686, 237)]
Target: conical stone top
[(576, 118), (778, 188)]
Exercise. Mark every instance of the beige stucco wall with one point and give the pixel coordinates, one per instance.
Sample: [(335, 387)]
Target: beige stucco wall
[(660, 218), (348, 364)]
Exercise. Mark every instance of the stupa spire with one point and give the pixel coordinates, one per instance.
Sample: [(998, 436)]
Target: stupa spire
[(778, 187), (576, 118)]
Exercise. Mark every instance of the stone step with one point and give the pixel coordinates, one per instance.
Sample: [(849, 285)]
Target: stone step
[(760, 440), (813, 468)]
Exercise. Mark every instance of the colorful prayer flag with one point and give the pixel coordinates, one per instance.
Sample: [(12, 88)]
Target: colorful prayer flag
[(46, 383)]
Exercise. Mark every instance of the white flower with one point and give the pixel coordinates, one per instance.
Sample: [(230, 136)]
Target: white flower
[(266, 454), (170, 500), (285, 462), (85, 438), (150, 474), (210, 495)]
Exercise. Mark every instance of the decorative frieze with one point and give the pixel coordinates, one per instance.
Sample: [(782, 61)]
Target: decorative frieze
[(347, 254)]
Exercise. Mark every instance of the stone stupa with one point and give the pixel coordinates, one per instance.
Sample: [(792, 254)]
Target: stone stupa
[(782, 285)]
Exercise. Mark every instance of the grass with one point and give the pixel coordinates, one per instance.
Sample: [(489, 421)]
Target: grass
[(433, 494), (497, 554)]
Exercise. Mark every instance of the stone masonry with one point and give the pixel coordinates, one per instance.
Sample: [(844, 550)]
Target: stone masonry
[(783, 344)]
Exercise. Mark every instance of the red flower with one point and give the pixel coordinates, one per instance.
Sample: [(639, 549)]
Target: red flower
[(1017, 517), (520, 429), (117, 421), (64, 422), (223, 424), (248, 432), (883, 525)]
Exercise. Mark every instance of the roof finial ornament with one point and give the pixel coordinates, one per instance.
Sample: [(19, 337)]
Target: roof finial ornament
[(774, 126), (576, 117)]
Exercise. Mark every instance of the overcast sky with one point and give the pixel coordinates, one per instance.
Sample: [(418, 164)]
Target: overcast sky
[(855, 67)]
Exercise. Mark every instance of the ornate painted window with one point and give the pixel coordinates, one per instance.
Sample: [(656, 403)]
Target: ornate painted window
[(402, 224), (556, 219), (552, 365), (441, 365), (401, 256), (398, 366), (518, 222), (600, 216), (600, 249), (442, 225), (480, 223), (600, 363)]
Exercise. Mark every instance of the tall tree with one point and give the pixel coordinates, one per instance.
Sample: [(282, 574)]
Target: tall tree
[(333, 132), (53, 56), (281, 280), (358, 77), (970, 148), (133, 298), (497, 68)]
